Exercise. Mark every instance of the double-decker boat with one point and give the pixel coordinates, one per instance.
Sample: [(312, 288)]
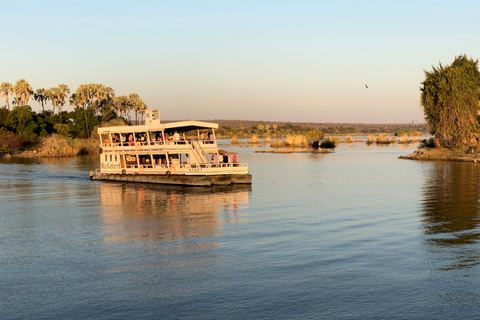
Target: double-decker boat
[(177, 153)]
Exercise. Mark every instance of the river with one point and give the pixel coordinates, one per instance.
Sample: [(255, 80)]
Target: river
[(357, 234)]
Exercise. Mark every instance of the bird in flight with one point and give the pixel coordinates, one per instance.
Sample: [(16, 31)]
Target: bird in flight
[(366, 86)]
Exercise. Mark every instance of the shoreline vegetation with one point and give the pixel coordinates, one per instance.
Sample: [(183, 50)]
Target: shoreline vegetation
[(450, 96), (61, 145)]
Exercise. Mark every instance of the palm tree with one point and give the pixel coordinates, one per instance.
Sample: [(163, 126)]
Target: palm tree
[(135, 103), (81, 98), (5, 91), (106, 96), (41, 97), (49, 96), (120, 104), (22, 91), (62, 93)]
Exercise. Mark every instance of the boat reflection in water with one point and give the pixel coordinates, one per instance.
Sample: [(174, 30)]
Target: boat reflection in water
[(451, 215), (165, 213)]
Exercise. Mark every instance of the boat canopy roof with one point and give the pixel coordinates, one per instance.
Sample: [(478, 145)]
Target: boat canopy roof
[(182, 126)]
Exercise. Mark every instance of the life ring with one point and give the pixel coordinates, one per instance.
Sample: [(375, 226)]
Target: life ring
[(124, 171), (168, 173), (139, 146), (141, 170), (172, 169)]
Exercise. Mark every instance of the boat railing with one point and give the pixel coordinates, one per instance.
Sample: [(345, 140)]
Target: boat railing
[(185, 166), (140, 144)]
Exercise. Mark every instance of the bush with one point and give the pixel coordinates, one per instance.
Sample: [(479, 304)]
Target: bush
[(9, 141), (328, 144), (61, 129)]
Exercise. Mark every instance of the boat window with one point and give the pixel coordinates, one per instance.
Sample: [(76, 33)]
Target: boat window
[(111, 158), (179, 158), (160, 159), (116, 158), (105, 158), (131, 159), (145, 159)]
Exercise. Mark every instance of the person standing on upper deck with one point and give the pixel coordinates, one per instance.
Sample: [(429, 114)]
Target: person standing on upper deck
[(176, 136)]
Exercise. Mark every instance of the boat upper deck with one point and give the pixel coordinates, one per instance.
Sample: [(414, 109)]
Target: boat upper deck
[(173, 135)]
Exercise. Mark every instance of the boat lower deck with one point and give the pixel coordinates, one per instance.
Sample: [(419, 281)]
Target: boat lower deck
[(176, 179)]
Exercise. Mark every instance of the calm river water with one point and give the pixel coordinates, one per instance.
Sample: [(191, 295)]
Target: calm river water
[(357, 234)]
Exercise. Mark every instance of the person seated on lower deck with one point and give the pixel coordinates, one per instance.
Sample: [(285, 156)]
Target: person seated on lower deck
[(213, 160)]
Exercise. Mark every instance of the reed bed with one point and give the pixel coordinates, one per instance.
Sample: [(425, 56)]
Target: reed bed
[(292, 141), (383, 139), (57, 145), (404, 139), (234, 140), (300, 141), (254, 139), (279, 144), (349, 139), (370, 139)]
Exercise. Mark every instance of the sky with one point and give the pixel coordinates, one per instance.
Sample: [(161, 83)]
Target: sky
[(270, 60)]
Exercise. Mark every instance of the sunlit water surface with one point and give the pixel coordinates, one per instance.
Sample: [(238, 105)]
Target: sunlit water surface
[(355, 234)]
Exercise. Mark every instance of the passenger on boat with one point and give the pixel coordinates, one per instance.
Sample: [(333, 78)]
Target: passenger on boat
[(213, 160), (130, 140), (225, 158), (234, 157), (176, 136)]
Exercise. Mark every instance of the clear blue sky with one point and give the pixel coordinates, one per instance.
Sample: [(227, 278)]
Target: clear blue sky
[(259, 60)]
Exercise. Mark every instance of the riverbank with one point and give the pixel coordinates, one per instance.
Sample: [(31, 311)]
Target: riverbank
[(441, 154)]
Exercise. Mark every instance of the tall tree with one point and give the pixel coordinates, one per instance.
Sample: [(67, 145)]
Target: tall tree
[(6, 89), (81, 99), (41, 96), (450, 99), (59, 94), (120, 104), (22, 91), (135, 103)]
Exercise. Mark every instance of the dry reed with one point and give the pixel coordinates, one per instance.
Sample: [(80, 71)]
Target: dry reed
[(234, 140), (300, 141), (403, 139), (254, 139), (279, 144)]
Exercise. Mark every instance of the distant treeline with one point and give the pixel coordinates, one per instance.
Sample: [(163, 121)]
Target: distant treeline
[(284, 129)]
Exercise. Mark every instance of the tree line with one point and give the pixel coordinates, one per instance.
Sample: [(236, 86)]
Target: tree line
[(95, 96), (93, 104)]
